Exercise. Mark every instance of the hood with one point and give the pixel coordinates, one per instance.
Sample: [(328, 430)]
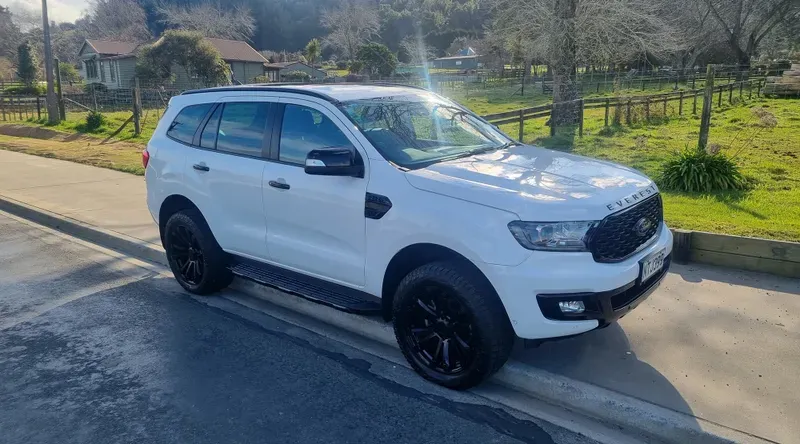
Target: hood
[(537, 184)]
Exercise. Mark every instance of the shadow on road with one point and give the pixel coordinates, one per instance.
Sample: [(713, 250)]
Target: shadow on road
[(697, 273)]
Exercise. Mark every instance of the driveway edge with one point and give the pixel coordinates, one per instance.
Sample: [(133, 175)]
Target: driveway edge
[(626, 412)]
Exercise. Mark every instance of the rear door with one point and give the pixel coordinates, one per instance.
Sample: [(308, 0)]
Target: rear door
[(224, 170), (316, 224)]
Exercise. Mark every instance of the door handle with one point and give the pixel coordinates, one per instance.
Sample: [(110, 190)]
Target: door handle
[(279, 185), (200, 167)]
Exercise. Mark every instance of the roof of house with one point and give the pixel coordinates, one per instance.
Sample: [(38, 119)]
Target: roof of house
[(236, 50), (108, 47), (230, 50)]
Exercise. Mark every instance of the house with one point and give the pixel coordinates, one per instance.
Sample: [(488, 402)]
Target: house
[(464, 59), (114, 63), (276, 71)]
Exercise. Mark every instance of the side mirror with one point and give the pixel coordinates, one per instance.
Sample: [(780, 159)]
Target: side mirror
[(334, 162)]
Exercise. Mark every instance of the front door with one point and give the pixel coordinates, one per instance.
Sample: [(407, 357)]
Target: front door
[(316, 224)]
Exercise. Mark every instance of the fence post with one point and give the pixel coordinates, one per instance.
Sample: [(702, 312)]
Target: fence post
[(137, 126), (553, 119), (607, 103), (665, 106), (730, 93), (628, 113), (719, 96), (642, 83), (38, 108), (647, 108), (19, 107), (580, 121), (60, 94), (3, 107), (521, 125), (708, 98), (694, 78), (680, 105), (749, 89), (741, 86), (758, 89), (694, 103), (659, 84)]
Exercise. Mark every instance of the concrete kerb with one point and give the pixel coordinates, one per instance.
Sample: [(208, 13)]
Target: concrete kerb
[(629, 413)]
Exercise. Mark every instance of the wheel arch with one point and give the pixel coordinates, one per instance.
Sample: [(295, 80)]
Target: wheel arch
[(412, 257), (170, 206)]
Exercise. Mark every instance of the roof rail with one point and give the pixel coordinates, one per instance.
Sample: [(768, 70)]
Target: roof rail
[(281, 87)]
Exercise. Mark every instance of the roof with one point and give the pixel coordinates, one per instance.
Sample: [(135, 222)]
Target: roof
[(236, 51), (458, 57), (341, 92), (230, 50), (109, 47)]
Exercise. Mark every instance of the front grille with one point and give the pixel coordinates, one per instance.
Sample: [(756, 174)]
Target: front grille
[(616, 237)]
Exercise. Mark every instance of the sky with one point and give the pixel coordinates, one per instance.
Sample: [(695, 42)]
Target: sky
[(58, 10)]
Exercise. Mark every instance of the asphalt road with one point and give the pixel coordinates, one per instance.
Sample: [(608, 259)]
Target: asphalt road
[(96, 349)]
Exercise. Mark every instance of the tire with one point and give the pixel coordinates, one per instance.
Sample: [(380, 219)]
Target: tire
[(201, 268), (467, 315)]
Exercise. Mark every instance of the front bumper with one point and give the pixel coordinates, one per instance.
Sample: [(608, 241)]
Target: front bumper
[(606, 306), (555, 275)]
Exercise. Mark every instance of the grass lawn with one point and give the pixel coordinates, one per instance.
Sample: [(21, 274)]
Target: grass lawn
[(76, 123), (769, 158)]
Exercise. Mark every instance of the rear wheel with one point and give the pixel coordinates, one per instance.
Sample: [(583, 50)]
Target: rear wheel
[(194, 256), (450, 325)]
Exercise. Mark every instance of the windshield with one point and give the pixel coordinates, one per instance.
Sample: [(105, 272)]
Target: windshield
[(417, 130)]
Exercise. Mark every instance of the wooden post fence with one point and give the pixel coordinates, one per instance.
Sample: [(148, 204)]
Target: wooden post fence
[(137, 108), (607, 103), (730, 93), (580, 119), (694, 104), (647, 108), (705, 119), (521, 125), (719, 97), (680, 104), (665, 106), (38, 108), (553, 115), (628, 113)]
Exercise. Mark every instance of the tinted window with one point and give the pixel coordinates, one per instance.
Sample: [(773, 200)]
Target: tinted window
[(241, 129), (185, 125), (209, 137), (305, 129)]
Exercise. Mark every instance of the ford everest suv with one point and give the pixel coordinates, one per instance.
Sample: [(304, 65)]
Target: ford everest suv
[(398, 202)]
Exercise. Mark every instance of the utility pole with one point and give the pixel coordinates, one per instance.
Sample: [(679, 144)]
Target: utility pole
[(53, 115)]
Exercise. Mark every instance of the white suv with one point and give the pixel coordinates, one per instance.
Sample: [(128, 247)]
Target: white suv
[(396, 201)]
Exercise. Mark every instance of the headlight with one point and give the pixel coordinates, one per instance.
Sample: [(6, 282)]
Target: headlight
[(552, 236)]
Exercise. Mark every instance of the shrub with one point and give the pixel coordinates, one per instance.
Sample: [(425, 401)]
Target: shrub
[(356, 67), (341, 64), (90, 88), (94, 121), (261, 79), (33, 90), (296, 76), (700, 171)]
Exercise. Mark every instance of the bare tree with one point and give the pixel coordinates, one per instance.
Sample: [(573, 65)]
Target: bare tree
[(212, 19), (745, 23), (417, 51), (122, 20), (566, 33), (352, 24)]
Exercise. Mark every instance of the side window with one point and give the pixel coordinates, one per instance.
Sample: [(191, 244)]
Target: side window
[(185, 124), (305, 129), (209, 137), (242, 127)]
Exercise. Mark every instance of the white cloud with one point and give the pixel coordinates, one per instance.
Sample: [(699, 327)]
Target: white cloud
[(57, 10)]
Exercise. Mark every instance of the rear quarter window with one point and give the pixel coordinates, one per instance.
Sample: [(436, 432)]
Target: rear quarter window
[(187, 121)]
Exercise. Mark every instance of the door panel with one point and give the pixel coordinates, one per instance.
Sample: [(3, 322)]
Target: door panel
[(226, 177), (316, 224)]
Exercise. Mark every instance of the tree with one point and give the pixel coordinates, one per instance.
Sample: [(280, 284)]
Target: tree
[(566, 33), (351, 25), (186, 49), (10, 34), (210, 19), (378, 60), (122, 20), (68, 73), (27, 67), (313, 49), (745, 23)]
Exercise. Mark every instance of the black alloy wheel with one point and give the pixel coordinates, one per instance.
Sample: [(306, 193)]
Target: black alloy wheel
[(188, 254), (440, 330)]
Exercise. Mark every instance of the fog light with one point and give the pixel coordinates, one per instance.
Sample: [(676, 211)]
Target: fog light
[(572, 307)]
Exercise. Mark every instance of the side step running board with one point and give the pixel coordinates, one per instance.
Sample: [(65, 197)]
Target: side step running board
[(313, 289)]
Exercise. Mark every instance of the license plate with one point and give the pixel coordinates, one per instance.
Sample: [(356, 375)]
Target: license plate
[(652, 264)]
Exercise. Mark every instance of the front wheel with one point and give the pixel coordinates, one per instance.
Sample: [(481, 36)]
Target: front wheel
[(194, 256), (450, 325)]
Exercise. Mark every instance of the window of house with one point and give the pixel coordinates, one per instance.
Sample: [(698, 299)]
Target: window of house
[(458, 62), (242, 128), (185, 124), (305, 129), (91, 69)]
